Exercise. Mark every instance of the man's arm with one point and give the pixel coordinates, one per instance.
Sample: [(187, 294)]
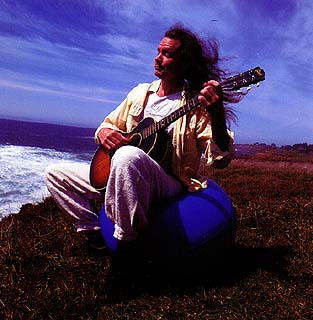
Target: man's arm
[(111, 139), (219, 128), (211, 97)]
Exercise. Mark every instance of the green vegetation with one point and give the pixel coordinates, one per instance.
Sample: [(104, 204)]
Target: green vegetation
[(47, 272)]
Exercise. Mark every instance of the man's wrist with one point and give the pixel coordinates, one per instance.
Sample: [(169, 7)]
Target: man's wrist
[(216, 110)]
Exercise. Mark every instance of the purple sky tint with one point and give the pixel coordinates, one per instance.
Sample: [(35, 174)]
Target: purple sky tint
[(72, 62)]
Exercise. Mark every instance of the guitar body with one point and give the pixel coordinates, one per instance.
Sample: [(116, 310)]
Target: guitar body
[(155, 145), (100, 169)]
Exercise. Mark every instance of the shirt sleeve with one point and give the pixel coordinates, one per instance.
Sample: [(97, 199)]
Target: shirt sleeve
[(118, 118), (114, 120), (212, 154)]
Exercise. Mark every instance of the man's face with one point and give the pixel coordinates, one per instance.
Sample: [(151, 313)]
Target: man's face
[(168, 62)]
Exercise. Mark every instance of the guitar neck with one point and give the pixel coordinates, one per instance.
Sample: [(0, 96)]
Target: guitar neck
[(163, 123), (236, 82), (172, 117)]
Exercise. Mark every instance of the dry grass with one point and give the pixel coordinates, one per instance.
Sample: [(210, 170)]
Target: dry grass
[(46, 271)]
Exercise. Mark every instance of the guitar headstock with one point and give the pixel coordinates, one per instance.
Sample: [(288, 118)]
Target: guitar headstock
[(244, 79)]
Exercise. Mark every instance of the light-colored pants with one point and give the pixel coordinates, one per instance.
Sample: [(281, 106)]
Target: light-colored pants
[(136, 181)]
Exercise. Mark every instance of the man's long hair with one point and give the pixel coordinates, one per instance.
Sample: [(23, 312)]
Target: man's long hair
[(201, 60)]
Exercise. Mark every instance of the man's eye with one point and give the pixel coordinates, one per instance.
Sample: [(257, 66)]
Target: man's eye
[(164, 53)]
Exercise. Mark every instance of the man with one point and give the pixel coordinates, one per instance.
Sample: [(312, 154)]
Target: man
[(185, 68)]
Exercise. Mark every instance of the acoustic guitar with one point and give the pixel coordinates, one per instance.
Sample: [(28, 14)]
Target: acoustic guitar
[(150, 135)]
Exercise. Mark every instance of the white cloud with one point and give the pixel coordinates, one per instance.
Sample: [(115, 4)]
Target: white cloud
[(80, 93), (299, 36)]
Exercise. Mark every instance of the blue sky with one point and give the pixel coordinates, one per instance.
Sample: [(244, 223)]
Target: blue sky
[(73, 61)]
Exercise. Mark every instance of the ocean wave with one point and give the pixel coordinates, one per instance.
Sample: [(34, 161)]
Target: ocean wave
[(22, 174)]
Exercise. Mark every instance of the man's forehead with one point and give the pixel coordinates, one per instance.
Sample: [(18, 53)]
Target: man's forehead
[(168, 43)]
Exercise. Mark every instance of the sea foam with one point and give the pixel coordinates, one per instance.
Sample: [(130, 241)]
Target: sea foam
[(22, 174)]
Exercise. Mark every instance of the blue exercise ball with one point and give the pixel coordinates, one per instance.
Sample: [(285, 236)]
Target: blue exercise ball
[(184, 225)]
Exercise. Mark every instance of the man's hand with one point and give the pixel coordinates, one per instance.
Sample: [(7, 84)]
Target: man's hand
[(211, 95), (111, 139)]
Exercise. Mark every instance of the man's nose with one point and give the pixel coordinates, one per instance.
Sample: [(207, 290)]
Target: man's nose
[(158, 57)]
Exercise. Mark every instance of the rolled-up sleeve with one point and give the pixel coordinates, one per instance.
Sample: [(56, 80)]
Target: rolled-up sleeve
[(212, 154), (120, 118), (115, 120), (217, 158)]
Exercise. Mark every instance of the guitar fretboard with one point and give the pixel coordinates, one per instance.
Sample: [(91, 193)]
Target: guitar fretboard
[(163, 123), (243, 79)]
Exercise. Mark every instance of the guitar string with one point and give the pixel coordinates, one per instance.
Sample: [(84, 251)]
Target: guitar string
[(230, 84)]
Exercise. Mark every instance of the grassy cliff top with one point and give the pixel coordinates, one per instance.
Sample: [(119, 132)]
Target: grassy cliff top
[(47, 271)]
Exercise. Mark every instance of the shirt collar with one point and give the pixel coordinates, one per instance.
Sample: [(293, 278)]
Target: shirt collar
[(154, 86)]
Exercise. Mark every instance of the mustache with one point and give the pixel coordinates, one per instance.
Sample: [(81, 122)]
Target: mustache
[(159, 66)]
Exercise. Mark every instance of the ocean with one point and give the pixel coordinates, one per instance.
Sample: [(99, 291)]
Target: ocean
[(26, 149)]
